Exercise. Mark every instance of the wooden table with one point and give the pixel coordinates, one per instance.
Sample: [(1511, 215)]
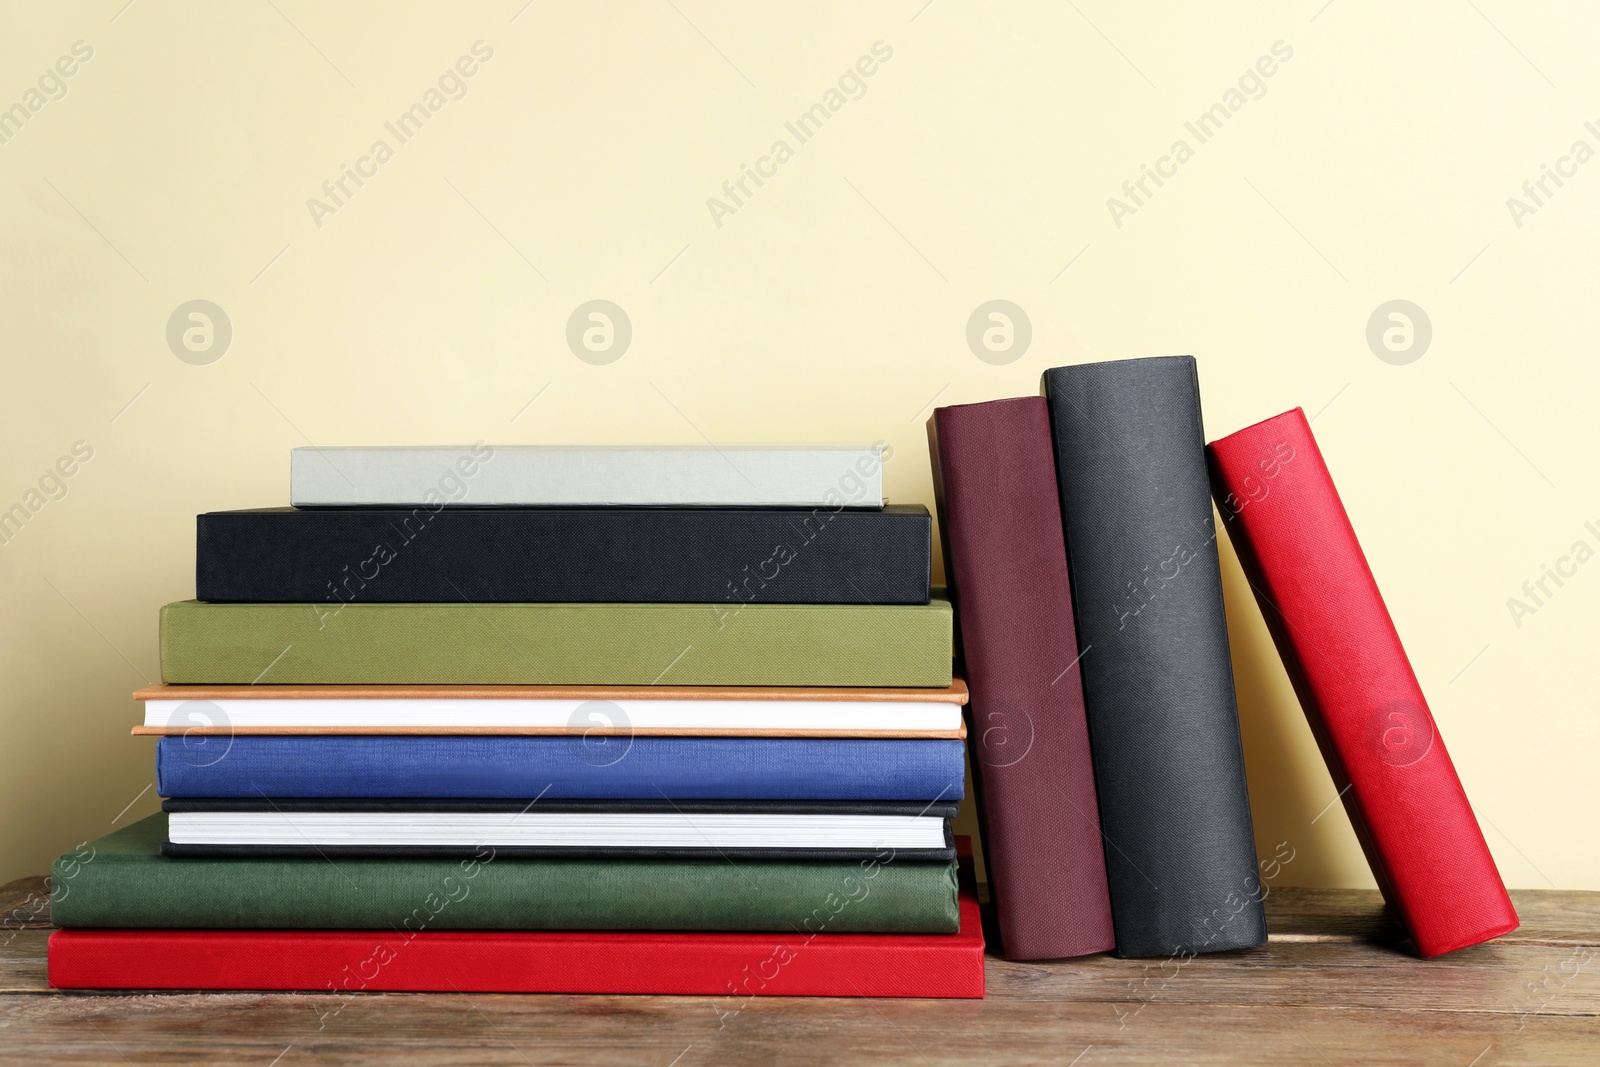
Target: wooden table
[(1334, 986)]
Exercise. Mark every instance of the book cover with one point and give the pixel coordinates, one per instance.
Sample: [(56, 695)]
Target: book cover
[(1157, 679), (589, 475), (122, 881), (731, 967), (578, 766), (1350, 670), (558, 644), (734, 556), (994, 477), (199, 711), (730, 830)]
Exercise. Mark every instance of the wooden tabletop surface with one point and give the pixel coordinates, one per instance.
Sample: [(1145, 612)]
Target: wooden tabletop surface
[(1336, 985)]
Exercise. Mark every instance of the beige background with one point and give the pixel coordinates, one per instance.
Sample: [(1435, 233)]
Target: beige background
[(831, 307)]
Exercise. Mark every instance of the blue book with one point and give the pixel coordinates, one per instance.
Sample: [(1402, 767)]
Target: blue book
[(560, 768)]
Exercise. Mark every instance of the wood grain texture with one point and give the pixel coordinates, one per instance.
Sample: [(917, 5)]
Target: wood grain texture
[(1335, 985)]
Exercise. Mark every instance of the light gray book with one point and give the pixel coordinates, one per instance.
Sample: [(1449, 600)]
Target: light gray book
[(581, 475)]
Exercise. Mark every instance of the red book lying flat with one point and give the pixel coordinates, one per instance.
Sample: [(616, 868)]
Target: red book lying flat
[(1359, 692), (733, 966)]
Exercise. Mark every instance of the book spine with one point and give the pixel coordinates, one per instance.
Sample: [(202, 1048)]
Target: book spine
[(533, 476), (561, 768), (1381, 743), (994, 479), (730, 556), (729, 966), (877, 894), (558, 644), (725, 853), (1158, 683)]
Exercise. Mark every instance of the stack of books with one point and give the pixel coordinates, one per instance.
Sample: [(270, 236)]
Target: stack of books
[(591, 720), (685, 720)]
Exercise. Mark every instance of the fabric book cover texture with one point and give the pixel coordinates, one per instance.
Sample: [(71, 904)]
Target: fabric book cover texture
[(813, 962), (1383, 748), (994, 477), (558, 644), (122, 881), (733, 556), (584, 475), (1157, 680), (726, 965), (561, 768)]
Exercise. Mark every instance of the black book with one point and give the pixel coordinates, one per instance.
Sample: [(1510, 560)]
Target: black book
[(1157, 679), (565, 555), (907, 831)]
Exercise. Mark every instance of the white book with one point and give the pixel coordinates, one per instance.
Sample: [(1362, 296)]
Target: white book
[(711, 832), (717, 717), (578, 476)]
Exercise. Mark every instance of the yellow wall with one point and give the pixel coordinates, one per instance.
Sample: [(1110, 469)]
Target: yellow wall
[(831, 306)]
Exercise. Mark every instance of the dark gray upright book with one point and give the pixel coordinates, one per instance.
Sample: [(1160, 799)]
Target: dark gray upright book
[(1158, 684)]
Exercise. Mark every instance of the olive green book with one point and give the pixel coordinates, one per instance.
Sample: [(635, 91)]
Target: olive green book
[(123, 881), (558, 644)]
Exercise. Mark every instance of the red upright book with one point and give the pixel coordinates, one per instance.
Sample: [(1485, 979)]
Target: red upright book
[(731, 966), (1359, 692), (1006, 562)]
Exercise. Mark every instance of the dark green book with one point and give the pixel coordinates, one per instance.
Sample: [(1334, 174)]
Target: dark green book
[(122, 880), (558, 644)]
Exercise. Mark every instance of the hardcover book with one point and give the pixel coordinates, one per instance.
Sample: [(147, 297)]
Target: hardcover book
[(582, 765), (1157, 679), (1381, 743), (589, 711), (731, 967), (994, 476), (583, 475), (732, 556), (122, 880), (675, 829), (558, 644)]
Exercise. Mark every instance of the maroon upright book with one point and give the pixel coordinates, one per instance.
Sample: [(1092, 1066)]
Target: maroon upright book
[(1006, 564)]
